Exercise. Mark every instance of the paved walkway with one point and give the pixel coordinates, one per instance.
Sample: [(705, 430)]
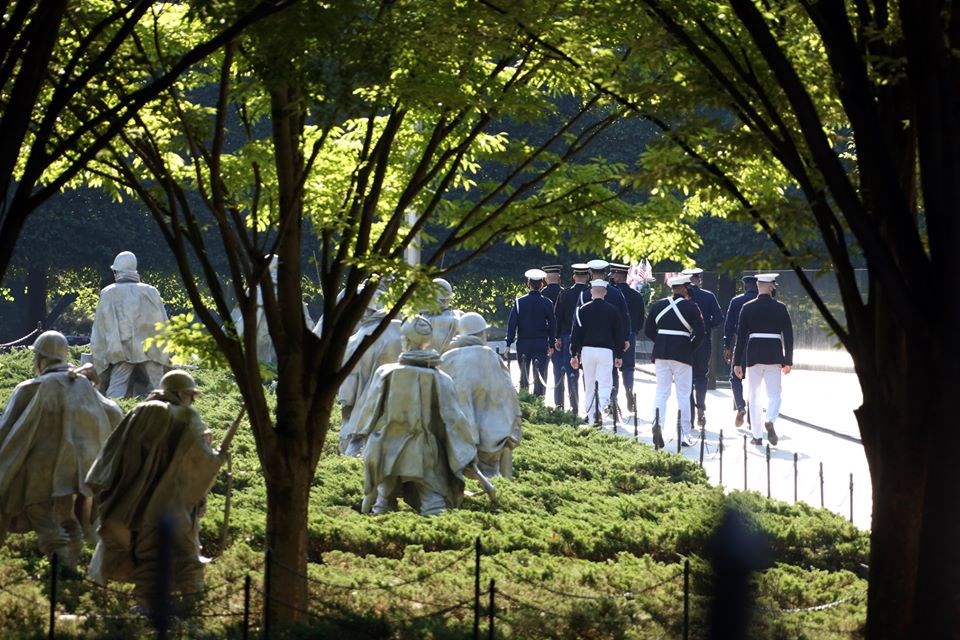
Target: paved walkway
[(817, 426)]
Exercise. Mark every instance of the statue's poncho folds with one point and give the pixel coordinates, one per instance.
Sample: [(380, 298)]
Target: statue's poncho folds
[(415, 429)]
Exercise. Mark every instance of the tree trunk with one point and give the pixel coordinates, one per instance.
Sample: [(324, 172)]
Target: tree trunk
[(914, 589), (288, 497)]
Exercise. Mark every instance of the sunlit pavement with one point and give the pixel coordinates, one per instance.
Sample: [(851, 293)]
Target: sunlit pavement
[(816, 423)]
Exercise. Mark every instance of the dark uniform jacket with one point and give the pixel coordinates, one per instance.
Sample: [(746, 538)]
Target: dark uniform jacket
[(552, 292), (774, 344), (614, 297), (668, 345), (567, 304), (531, 318), (597, 324), (733, 316), (634, 305), (709, 307)]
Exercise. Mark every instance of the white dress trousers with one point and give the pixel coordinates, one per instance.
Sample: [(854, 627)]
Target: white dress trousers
[(671, 372), (597, 366), (769, 375)]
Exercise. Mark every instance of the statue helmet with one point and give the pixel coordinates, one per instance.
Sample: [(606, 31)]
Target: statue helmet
[(444, 290), (52, 345), (374, 304), (415, 333), (177, 380), (125, 261), (471, 322)]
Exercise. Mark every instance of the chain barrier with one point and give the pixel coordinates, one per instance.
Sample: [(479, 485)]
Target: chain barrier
[(288, 605), (543, 382), (629, 595), (442, 610), (363, 587), (823, 607), (129, 594), (466, 604), (527, 605), (20, 342)]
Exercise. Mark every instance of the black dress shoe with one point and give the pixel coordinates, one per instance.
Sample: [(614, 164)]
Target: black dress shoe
[(771, 433), (756, 441)]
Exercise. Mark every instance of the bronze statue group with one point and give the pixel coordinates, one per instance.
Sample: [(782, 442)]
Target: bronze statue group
[(428, 405)]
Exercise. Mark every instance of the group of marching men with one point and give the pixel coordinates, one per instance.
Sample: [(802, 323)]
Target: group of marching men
[(563, 326), (592, 327), (427, 405)]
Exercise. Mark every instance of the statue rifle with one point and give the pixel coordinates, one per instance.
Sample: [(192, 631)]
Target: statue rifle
[(227, 439), (225, 451)]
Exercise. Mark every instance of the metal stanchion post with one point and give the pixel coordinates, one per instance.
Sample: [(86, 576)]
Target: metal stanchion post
[(794, 477), (596, 405), (703, 444), (535, 374), (768, 470), (636, 419), (721, 457), (821, 486), (851, 497), (679, 432), (615, 409)]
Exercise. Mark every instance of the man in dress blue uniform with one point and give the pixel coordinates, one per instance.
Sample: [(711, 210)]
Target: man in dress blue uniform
[(533, 326), (763, 352), (598, 271), (730, 336), (567, 303), (675, 326), (559, 363), (596, 345), (712, 318), (634, 300)]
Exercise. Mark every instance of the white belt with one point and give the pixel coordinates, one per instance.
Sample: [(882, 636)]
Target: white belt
[(673, 332), (772, 336)]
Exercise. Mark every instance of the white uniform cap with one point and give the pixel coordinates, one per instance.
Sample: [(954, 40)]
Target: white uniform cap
[(692, 272), (598, 265), (676, 281), (535, 274), (598, 283), (767, 277), (579, 268)]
